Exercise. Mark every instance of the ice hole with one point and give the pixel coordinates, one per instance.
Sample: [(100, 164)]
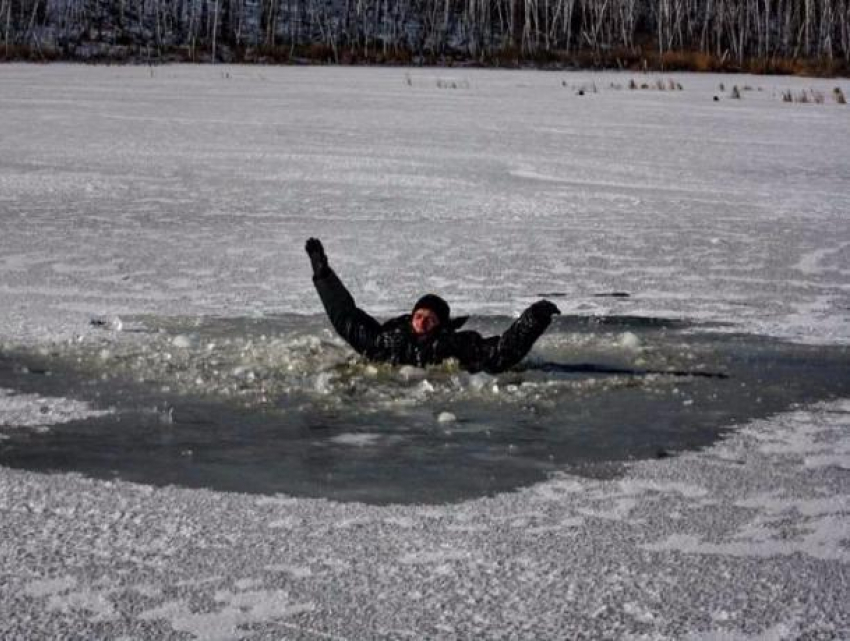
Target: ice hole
[(280, 405)]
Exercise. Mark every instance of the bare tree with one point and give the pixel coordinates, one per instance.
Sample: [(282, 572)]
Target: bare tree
[(726, 29)]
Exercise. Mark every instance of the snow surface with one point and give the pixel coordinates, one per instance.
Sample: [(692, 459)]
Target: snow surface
[(34, 410), (190, 190)]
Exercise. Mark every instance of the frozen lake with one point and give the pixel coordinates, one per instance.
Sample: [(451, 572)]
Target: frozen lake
[(192, 190), (179, 198)]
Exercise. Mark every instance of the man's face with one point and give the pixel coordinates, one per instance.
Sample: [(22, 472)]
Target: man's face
[(424, 321)]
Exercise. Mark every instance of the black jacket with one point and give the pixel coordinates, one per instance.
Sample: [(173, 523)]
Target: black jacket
[(395, 342)]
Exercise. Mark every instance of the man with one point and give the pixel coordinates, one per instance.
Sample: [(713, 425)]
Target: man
[(428, 335)]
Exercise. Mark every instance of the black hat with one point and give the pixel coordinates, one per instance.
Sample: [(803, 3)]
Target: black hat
[(436, 305)]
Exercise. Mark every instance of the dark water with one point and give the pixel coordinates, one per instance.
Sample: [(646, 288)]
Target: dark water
[(278, 405)]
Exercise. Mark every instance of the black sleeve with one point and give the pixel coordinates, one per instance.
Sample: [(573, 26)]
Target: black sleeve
[(499, 353), (359, 330)]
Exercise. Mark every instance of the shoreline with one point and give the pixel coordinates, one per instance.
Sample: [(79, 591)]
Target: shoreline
[(642, 61)]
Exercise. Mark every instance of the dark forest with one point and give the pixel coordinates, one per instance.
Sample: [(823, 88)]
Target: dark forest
[(755, 35)]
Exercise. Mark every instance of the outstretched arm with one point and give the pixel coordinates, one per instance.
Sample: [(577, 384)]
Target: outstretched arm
[(499, 353), (354, 325)]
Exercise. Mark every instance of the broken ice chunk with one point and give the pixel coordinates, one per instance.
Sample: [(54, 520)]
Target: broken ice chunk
[(112, 322)]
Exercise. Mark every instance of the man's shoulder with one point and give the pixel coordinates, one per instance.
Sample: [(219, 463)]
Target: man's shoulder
[(396, 324)]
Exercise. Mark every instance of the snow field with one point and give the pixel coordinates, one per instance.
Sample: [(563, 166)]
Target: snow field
[(192, 190)]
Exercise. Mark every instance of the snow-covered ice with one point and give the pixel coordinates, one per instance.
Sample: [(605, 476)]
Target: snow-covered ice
[(35, 410), (190, 191), (717, 544)]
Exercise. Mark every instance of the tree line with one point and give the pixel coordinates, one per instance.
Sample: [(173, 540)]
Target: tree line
[(687, 32)]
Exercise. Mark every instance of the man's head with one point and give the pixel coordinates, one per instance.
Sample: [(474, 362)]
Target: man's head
[(429, 314)]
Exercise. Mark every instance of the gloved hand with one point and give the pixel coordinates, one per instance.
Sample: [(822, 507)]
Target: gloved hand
[(318, 259), (543, 310)]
